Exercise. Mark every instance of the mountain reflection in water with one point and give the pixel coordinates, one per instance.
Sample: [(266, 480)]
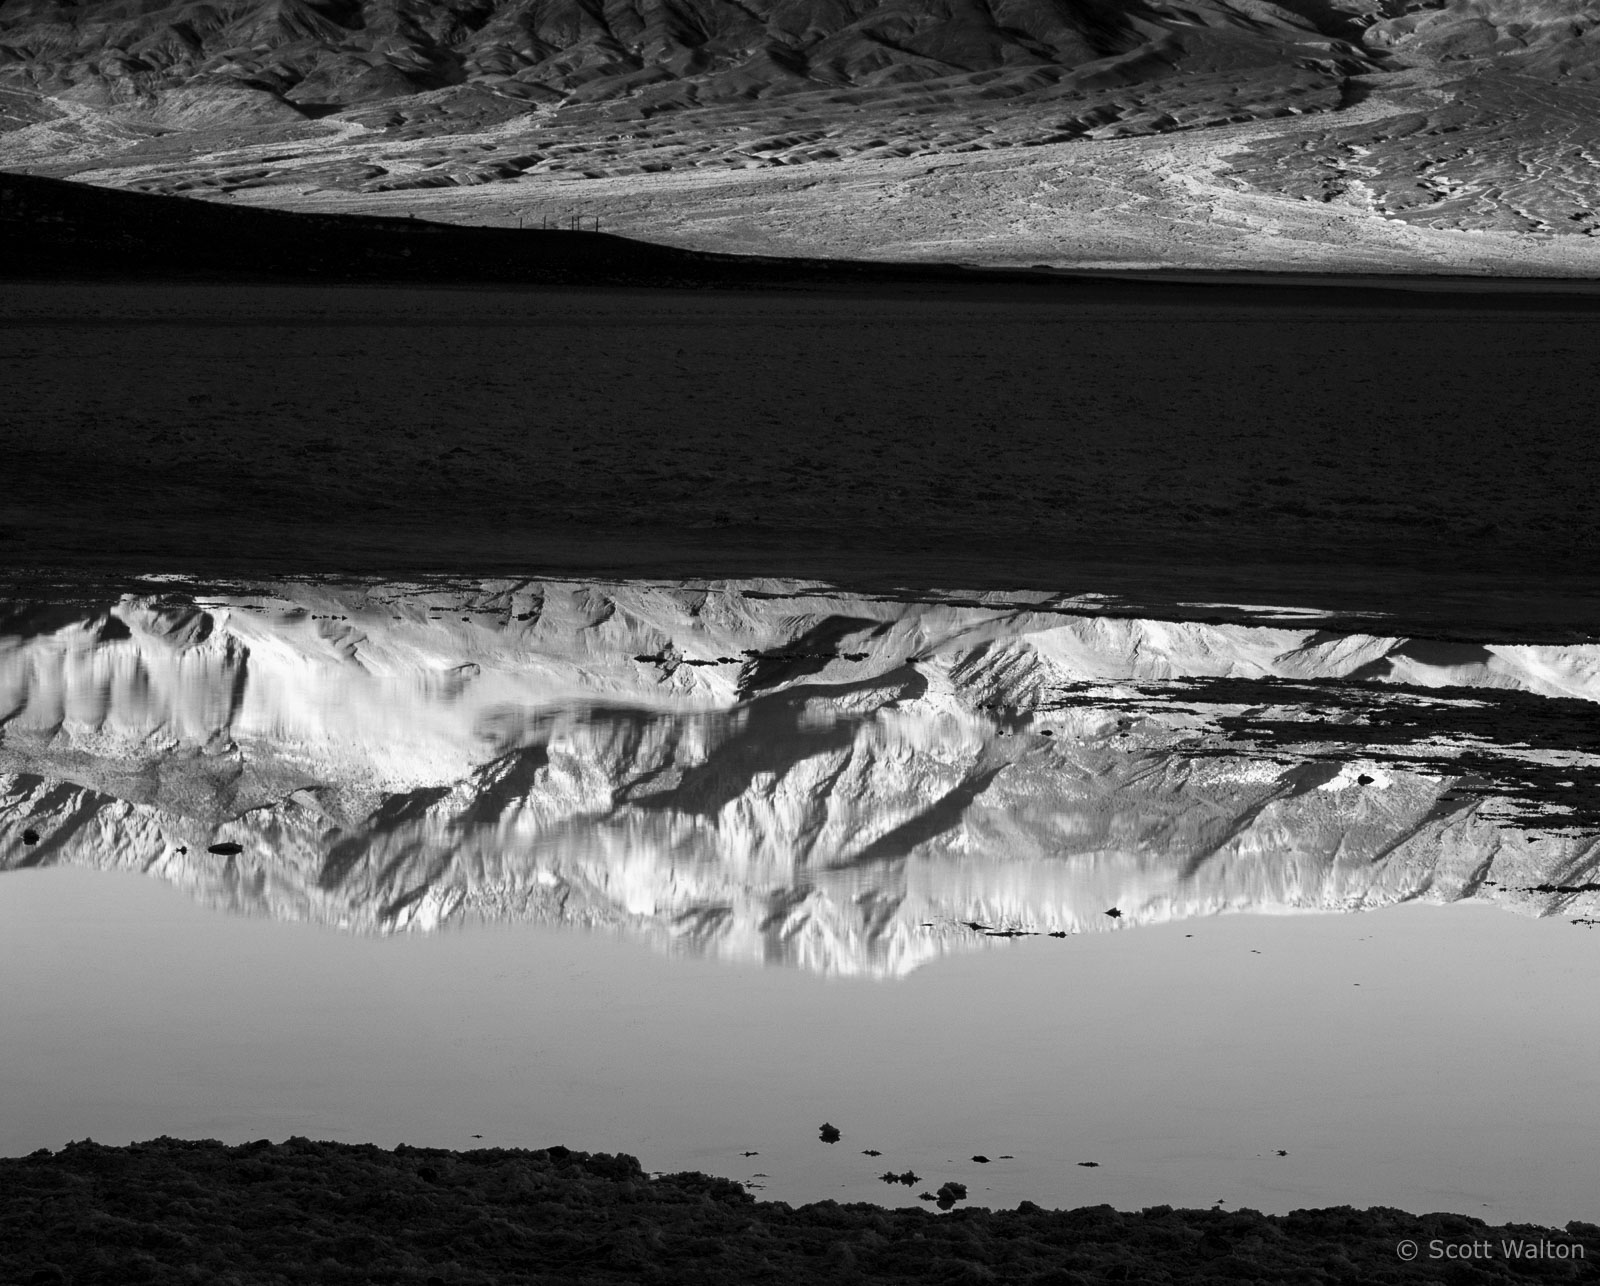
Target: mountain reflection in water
[(783, 772)]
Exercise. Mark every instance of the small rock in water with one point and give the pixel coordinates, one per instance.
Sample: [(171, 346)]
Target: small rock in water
[(30, 837), (226, 849), (1089, 1165), (909, 1178), (871, 1152), (829, 1133), (981, 1159)]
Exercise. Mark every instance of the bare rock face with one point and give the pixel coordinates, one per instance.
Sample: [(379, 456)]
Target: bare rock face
[(774, 772), (1548, 39)]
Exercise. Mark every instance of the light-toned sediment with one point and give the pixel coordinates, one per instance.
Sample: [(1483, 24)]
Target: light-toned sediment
[(1161, 201)]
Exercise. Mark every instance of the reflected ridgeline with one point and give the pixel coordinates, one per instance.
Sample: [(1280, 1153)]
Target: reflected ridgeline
[(782, 772)]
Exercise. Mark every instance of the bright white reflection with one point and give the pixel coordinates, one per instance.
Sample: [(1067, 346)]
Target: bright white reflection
[(779, 772)]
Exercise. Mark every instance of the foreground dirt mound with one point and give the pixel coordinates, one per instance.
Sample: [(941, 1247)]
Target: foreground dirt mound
[(171, 1210)]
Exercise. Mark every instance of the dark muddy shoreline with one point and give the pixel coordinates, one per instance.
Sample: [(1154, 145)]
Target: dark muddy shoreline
[(170, 1210)]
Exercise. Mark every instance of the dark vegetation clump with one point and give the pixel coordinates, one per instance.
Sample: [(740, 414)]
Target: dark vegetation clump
[(175, 1211)]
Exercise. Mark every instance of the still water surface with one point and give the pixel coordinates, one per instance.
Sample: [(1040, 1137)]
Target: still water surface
[(1422, 1057), (686, 871)]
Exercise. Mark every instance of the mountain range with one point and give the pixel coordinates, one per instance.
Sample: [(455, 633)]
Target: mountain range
[(1388, 135)]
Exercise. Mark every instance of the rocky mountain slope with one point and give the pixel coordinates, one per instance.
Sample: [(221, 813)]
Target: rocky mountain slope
[(489, 92), (1548, 39), (777, 772), (284, 59)]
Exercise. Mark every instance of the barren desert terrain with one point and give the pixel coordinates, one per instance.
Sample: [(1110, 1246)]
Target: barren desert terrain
[(1418, 174), (1343, 137)]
